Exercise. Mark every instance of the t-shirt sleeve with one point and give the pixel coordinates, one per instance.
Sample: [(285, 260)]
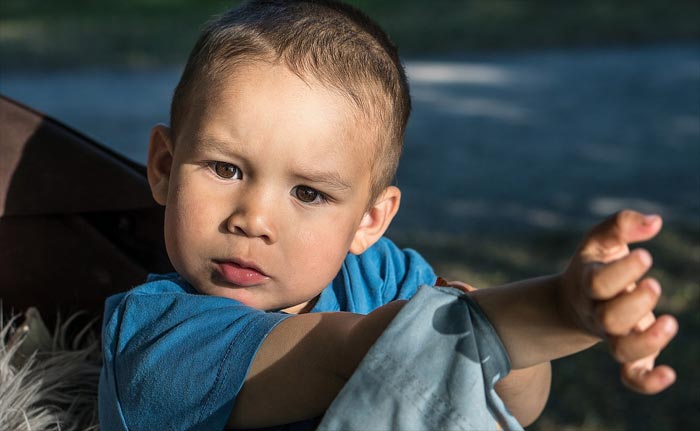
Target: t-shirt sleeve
[(383, 273), (176, 360), (433, 368)]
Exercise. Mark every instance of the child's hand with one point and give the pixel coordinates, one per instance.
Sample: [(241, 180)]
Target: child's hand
[(604, 293)]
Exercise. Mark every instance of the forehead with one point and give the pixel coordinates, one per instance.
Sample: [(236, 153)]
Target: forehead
[(278, 101)]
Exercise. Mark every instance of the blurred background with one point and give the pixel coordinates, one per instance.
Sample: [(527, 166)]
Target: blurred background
[(532, 120)]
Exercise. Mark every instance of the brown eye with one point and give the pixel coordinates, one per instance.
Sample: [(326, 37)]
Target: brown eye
[(306, 194), (226, 170)]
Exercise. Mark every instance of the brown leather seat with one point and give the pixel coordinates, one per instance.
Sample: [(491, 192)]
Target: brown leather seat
[(77, 220)]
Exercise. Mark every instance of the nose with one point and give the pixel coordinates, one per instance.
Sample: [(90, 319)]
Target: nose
[(253, 217)]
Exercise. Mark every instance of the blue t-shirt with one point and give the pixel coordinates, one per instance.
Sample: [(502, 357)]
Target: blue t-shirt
[(176, 359)]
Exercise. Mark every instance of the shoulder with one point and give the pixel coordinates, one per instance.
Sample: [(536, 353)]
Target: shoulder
[(168, 301), (387, 252), (164, 338), (156, 284), (158, 290), (391, 263), (168, 310), (383, 273)]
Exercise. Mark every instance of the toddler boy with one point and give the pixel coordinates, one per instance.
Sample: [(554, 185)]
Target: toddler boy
[(286, 130)]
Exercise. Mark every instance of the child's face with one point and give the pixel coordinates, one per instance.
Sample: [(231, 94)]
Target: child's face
[(268, 187)]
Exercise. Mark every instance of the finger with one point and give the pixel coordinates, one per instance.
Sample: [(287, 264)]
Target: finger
[(637, 345), (648, 381), (609, 280), (464, 287), (618, 316), (608, 240)]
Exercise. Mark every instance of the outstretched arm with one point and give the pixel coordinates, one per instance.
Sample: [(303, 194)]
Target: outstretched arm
[(306, 359), (602, 295)]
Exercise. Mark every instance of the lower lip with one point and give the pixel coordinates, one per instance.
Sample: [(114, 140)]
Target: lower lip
[(240, 275)]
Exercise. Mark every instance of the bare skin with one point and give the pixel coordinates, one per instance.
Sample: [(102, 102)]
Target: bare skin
[(602, 295)]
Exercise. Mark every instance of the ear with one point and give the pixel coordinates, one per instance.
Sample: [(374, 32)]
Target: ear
[(376, 220), (160, 160)]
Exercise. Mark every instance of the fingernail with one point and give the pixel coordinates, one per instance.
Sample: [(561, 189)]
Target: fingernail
[(670, 326), (644, 256), (655, 286), (671, 377), (650, 218)]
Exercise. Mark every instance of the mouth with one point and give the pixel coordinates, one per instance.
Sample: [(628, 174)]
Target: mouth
[(241, 274)]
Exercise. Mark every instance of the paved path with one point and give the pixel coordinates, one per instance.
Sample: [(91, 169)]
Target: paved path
[(545, 139)]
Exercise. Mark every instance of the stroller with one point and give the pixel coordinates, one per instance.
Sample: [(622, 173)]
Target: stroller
[(77, 220), (77, 224)]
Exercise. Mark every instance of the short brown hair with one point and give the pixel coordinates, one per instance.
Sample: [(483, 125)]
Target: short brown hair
[(332, 42)]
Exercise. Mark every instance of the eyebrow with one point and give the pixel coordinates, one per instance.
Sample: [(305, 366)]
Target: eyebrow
[(331, 179), (209, 144)]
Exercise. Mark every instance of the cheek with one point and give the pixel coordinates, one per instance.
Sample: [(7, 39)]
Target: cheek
[(323, 248), (198, 209), (189, 224), (173, 239)]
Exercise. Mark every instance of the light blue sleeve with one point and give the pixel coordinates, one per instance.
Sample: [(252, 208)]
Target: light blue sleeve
[(174, 359), (383, 273), (433, 368)]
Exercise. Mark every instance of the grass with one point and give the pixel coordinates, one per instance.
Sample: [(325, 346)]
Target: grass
[(135, 33), (586, 391)]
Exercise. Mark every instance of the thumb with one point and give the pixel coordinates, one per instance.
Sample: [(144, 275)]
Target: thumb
[(608, 240)]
